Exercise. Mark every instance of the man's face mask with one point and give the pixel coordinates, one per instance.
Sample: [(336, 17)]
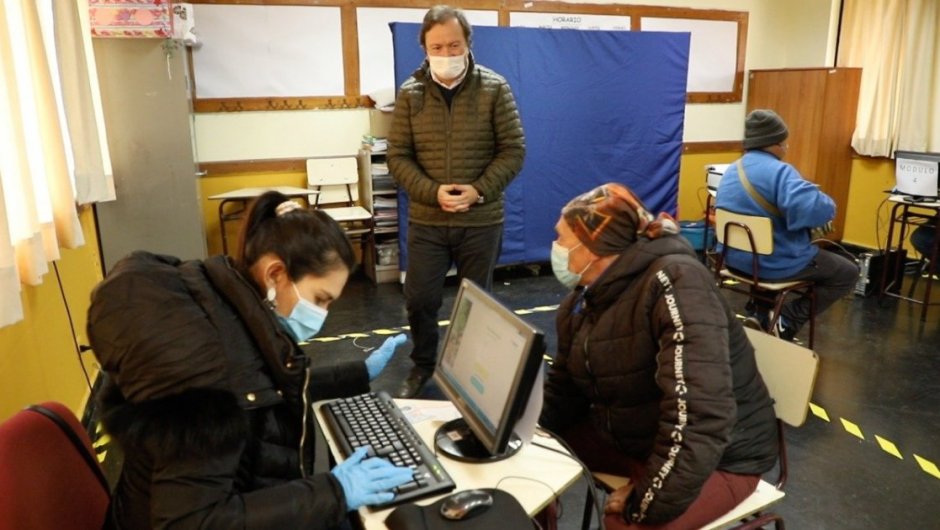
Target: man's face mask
[(304, 321), (448, 67)]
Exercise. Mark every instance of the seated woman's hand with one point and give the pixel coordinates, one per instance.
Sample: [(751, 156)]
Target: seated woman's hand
[(617, 500)]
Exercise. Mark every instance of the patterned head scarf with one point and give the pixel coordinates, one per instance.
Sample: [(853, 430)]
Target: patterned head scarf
[(609, 218)]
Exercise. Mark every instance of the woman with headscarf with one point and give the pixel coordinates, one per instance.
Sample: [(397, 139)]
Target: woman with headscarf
[(655, 378)]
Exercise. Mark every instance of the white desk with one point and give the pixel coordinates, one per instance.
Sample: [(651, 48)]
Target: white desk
[(556, 471), (243, 196), (922, 210)]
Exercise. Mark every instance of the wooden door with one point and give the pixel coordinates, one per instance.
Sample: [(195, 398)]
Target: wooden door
[(818, 106)]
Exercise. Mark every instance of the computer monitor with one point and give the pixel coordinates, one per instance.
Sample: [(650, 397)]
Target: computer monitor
[(713, 174), (487, 366), (916, 174)]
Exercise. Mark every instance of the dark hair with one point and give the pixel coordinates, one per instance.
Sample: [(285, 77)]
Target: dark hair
[(307, 241), (440, 14)]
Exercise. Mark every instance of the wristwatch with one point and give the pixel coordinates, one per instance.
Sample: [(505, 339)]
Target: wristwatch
[(479, 198)]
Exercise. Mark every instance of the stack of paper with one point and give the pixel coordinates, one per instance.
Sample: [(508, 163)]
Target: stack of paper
[(374, 143), (379, 169), (386, 211)]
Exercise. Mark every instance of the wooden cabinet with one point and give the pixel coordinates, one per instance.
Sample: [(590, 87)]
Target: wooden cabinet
[(818, 106)]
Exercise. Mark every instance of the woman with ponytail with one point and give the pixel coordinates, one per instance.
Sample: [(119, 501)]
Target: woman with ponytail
[(654, 378), (207, 393)]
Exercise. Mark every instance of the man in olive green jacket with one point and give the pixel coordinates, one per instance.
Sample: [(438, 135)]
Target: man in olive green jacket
[(455, 143)]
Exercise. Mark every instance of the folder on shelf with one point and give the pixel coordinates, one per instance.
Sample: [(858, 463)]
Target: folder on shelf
[(383, 183)]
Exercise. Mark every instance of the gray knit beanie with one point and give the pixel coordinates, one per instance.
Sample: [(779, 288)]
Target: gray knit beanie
[(762, 128)]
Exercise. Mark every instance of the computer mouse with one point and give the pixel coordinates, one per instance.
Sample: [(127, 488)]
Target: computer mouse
[(465, 504)]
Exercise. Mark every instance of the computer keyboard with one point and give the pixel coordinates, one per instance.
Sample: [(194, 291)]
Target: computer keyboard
[(375, 420)]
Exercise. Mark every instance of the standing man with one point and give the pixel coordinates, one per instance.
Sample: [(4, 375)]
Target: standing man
[(455, 143), (761, 184)]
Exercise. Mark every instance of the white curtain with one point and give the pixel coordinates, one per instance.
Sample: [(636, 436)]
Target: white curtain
[(896, 43), (51, 139)]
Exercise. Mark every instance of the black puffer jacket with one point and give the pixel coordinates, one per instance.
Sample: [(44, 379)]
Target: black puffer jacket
[(204, 397), (656, 358)]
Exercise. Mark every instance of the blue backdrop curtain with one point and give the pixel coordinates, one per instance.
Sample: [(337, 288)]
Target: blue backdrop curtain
[(596, 106)]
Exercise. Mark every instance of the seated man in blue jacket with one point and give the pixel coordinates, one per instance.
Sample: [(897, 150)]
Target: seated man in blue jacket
[(795, 206)]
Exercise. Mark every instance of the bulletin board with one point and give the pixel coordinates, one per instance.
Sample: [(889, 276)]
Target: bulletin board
[(309, 54)]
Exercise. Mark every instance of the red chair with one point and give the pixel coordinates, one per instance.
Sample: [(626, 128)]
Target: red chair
[(50, 477)]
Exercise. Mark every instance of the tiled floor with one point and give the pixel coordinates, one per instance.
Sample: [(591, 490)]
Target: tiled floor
[(871, 465)]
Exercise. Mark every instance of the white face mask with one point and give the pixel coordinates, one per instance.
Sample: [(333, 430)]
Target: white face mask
[(448, 68), (560, 261)]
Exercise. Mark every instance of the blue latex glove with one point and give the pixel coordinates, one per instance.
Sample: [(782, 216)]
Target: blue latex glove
[(376, 362), (367, 482)]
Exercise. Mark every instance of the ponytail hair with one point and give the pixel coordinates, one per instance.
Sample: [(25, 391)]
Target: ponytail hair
[(307, 241)]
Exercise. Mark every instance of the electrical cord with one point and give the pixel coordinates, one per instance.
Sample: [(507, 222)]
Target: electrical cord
[(365, 349), (584, 470), (843, 250), (303, 430), (68, 313), (551, 489)]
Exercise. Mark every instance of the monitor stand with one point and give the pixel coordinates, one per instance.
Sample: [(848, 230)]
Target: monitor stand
[(456, 440)]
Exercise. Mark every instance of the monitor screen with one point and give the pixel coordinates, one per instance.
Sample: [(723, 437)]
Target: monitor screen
[(487, 366), (713, 174), (916, 173)]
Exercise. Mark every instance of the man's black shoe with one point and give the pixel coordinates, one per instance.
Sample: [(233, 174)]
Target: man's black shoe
[(413, 384)]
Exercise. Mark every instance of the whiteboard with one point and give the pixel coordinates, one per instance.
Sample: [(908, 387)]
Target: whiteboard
[(376, 60), (267, 51), (569, 21), (713, 50)]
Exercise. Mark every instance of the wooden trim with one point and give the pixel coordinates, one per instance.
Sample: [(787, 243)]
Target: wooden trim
[(274, 165), (350, 29), (284, 165), (712, 147), (504, 9), (301, 103)]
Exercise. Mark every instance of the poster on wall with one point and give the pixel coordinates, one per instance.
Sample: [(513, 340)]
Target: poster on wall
[(569, 21)]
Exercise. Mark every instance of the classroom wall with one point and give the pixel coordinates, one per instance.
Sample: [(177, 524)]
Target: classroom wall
[(38, 358), (866, 219), (781, 33)]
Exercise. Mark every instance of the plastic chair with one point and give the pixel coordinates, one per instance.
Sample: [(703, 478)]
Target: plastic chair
[(51, 478), (754, 234), (337, 180), (789, 372)]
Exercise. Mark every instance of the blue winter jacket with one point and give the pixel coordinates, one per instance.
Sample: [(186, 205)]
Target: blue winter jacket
[(802, 207)]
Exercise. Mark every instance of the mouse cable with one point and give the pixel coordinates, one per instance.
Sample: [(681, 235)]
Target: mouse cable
[(547, 485), (365, 349), (584, 470)]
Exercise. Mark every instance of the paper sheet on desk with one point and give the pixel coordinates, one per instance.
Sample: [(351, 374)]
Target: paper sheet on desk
[(445, 411), (429, 412)]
